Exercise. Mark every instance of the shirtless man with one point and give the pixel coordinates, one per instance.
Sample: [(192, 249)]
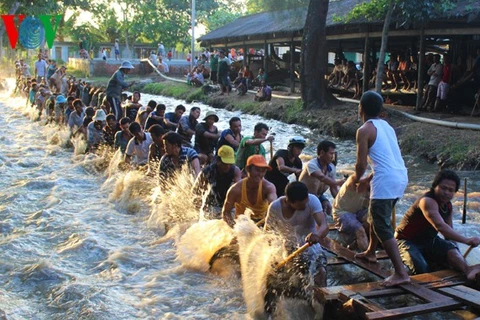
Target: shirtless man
[(252, 192), (420, 246), (376, 141)]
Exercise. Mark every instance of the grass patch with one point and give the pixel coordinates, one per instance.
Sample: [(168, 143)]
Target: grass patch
[(176, 90), (292, 111)]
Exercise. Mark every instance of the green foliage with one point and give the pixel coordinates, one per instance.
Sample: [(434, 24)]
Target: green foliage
[(292, 111), (195, 95), (220, 18), (254, 6)]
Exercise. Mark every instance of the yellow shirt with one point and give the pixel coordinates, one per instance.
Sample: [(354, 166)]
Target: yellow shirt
[(259, 209)]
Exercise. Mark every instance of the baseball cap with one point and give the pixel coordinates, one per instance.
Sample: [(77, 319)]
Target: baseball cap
[(226, 154), (258, 161)]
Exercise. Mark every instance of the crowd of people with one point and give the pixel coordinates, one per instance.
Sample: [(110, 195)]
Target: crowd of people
[(442, 76), (232, 176)]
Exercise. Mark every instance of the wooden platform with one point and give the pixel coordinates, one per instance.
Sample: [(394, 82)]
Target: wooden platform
[(438, 291)]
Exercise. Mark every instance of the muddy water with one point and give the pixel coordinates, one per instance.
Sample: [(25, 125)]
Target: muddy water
[(81, 240)]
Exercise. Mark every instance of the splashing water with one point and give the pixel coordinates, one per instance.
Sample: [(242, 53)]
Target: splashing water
[(201, 241)]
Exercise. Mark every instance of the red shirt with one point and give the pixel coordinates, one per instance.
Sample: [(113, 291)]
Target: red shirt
[(447, 70)]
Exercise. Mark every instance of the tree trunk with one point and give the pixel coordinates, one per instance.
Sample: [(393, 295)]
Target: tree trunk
[(420, 66), (315, 94), (12, 10), (383, 47)]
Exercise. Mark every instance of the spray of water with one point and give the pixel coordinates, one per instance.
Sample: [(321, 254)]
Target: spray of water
[(201, 241), (172, 202)]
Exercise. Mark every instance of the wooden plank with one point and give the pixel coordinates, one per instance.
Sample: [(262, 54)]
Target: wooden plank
[(397, 313), (342, 252), (422, 292), (465, 294), (436, 279)]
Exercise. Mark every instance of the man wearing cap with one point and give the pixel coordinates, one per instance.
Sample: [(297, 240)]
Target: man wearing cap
[(206, 137), (187, 125), (116, 85), (251, 145), (138, 146), (215, 179), (95, 130), (377, 144), (253, 192), (320, 174), (60, 104), (285, 163)]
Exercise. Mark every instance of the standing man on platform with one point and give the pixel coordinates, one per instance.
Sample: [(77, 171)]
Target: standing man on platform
[(377, 142), (116, 85)]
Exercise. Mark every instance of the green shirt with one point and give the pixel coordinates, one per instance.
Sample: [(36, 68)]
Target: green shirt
[(245, 151), (213, 63)]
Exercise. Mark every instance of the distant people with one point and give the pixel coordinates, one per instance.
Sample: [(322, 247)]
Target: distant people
[(284, 163), (41, 68), (444, 85), (169, 55), (162, 65), (116, 85), (104, 54), (350, 216), (435, 72), (153, 58), (232, 136), (214, 67), (421, 249), (161, 50), (138, 147), (189, 56), (264, 93), (251, 145), (253, 192), (222, 73), (132, 106), (215, 180), (117, 50), (319, 174)]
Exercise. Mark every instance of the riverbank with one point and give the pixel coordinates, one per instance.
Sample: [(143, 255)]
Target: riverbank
[(448, 147)]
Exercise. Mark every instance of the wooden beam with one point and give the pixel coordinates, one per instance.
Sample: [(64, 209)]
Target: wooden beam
[(447, 304), (465, 294)]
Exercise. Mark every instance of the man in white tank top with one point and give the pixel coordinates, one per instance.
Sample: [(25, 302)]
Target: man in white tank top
[(377, 144)]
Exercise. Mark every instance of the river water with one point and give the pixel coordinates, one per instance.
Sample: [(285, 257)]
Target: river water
[(81, 242)]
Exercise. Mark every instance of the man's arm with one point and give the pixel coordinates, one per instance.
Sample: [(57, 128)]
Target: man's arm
[(169, 123), (184, 124), (195, 166), (430, 210), (232, 140), (256, 141), (271, 191), (363, 137), (232, 197), (237, 175), (321, 231), (283, 168)]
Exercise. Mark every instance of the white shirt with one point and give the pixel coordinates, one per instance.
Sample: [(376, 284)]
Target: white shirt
[(139, 150), (389, 172), (41, 68)]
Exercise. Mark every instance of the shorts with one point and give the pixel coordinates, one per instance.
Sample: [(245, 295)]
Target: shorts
[(223, 80), (117, 52), (348, 222), (442, 90), (427, 256), (380, 215), (213, 76)]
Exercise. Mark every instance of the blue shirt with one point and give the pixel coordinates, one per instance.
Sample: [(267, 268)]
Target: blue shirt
[(168, 167)]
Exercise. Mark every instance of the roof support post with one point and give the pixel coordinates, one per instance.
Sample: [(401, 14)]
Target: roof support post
[(420, 64), (265, 55), (366, 64), (244, 48), (292, 66)]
